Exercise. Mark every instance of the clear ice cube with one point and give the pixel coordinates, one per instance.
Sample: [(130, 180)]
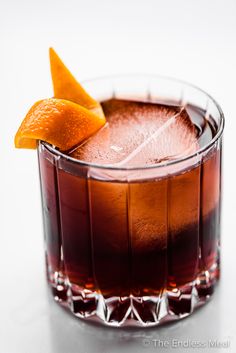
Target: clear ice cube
[(138, 134)]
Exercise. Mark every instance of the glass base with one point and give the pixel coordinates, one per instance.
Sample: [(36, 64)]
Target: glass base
[(131, 310)]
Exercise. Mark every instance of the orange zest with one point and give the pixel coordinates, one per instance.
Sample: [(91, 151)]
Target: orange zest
[(59, 122), (67, 87), (65, 120)]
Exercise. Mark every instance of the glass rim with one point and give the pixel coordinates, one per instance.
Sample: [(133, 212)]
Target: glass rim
[(151, 166)]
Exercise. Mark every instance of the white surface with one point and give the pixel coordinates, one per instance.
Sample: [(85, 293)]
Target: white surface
[(191, 40)]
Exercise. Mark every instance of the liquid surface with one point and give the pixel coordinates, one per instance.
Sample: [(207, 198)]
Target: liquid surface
[(141, 133)]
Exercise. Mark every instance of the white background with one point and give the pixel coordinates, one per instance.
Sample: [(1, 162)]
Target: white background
[(191, 40)]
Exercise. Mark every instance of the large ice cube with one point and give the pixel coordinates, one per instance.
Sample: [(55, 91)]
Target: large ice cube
[(139, 133)]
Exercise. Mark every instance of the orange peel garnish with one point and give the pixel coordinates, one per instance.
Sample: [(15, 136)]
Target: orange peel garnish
[(64, 121), (59, 122), (67, 87)]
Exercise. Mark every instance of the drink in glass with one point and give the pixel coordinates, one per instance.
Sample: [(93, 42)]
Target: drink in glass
[(132, 215)]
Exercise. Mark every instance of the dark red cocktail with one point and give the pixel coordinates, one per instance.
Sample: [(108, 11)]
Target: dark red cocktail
[(132, 216)]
